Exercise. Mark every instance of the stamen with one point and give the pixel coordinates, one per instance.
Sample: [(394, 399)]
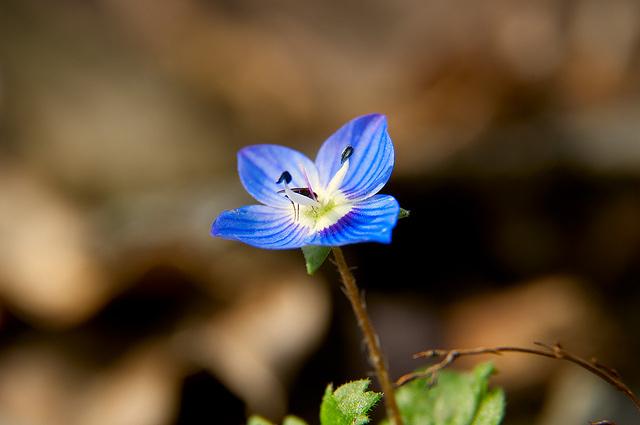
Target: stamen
[(296, 195), (286, 177), (346, 154), (338, 177), (299, 198)]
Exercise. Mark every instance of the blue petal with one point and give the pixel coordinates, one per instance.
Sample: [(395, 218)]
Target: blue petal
[(260, 166), (371, 220), (261, 226), (371, 163)]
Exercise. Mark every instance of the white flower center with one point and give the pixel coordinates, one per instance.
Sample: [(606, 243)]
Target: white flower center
[(330, 210), (319, 208)]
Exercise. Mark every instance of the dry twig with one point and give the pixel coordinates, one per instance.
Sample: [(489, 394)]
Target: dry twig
[(550, 351)]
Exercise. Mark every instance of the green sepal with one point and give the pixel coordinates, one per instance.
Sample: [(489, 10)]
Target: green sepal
[(403, 213), (315, 256)]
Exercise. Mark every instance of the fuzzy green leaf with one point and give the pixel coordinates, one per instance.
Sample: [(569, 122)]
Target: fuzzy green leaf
[(348, 405), (314, 256), (456, 399)]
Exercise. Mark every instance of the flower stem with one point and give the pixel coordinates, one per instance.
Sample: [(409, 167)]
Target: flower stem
[(370, 335)]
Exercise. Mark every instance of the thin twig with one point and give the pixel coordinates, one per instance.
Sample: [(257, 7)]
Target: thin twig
[(371, 337), (550, 351)]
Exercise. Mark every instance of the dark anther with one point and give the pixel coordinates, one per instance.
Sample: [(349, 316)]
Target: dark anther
[(302, 191), (346, 154), (285, 176)]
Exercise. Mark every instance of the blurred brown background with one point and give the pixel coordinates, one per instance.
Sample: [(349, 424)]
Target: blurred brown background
[(517, 134)]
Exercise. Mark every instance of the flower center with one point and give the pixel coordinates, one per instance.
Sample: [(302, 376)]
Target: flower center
[(330, 210), (317, 211)]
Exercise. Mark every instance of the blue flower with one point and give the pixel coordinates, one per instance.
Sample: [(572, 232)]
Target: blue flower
[(332, 201)]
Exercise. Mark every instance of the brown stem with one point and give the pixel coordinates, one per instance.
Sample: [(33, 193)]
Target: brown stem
[(554, 352), (370, 335)]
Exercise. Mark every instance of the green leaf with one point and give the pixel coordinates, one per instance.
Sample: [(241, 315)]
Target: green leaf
[(293, 420), (491, 409), (403, 213), (289, 420), (348, 405), (315, 256), (258, 420), (456, 399)]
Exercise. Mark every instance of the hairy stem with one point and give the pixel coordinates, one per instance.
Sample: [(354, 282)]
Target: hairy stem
[(370, 335)]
